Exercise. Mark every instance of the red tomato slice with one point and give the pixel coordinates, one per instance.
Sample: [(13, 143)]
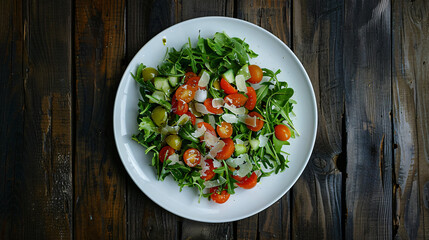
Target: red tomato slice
[(227, 87), (255, 73), (282, 132), (185, 93), (189, 75), (179, 107), (192, 117), (165, 152), (208, 174), (193, 81), (227, 150), (192, 157), (248, 182), (236, 99), (259, 122), (210, 108), (225, 130), (208, 127), (219, 196), (251, 101)]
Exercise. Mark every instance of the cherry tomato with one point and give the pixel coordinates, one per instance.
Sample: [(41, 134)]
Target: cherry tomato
[(165, 152), (251, 101), (255, 73), (192, 157), (238, 178), (236, 99), (282, 132), (227, 87), (219, 196), (224, 130), (189, 75), (210, 108), (193, 81), (208, 174), (208, 127), (248, 182), (227, 150), (192, 117), (185, 93), (259, 122), (179, 107)]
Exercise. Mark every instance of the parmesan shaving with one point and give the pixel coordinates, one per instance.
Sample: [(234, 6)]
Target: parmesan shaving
[(214, 183), (235, 110), (246, 119), (174, 158), (230, 118), (210, 139), (212, 121), (200, 108), (169, 130), (200, 95), (199, 132), (217, 102), (240, 81), (204, 80), (263, 140), (216, 148), (183, 119)]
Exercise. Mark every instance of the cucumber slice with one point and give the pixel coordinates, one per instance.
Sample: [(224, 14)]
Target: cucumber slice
[(240, 149), (254, 144), (244, 70), (161, 83), (158, 95), (229, 76), (172, 79)]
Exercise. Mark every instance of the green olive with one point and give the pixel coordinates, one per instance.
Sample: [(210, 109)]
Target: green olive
[(149, 73), (174, 141), (216, 84), (159, 115), (193, 110)]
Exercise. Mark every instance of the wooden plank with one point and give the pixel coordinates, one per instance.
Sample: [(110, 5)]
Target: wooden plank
[(147, 220), (317, 38), (274, 16), (12, 185), (38, 182), (367, 68), (410, 88), (100, 185)]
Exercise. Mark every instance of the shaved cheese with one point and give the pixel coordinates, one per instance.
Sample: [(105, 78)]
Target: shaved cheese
[(174, 158), (240, 81), (200, 108), (235, 162), (248, 120), (263, 140), (210, 139), (198, 120), (245, 168), (217, 148), (235, 110), (216, 164), (200, 95), (204, 167), (239, 141), (183, 119), (199, 132), (230, 118), (214, 183), (258, 173), (212, 121), (204, 80), (169, 130), (217, 102)]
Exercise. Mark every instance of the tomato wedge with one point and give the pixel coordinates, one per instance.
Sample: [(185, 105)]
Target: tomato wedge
[(282, 132), (227, 150), (255, 73), (236, 99), (186, 93), (165, 152), (208, 174), (192, 157), (227, 87), (251, 101), (219, 196), (208, 127), (259, 122), (192, 117), (225, 130), (209, 106), (248, 182)]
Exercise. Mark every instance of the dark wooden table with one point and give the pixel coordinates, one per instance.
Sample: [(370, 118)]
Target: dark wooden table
[(60, 65)]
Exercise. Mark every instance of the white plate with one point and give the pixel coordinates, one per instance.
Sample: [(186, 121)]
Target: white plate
[(273, 54)]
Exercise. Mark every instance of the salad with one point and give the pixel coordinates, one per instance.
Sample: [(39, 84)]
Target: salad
[(212, 119)]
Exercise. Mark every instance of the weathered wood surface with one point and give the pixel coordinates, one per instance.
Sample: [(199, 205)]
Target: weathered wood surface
[(60, 66), (410, 87)]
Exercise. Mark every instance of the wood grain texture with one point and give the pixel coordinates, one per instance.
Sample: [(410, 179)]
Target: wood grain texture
[(317, 38), (274, 16), (36, 157), (100, 186), (367, 68), (12, 184), (410, 100), (147, 220)]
